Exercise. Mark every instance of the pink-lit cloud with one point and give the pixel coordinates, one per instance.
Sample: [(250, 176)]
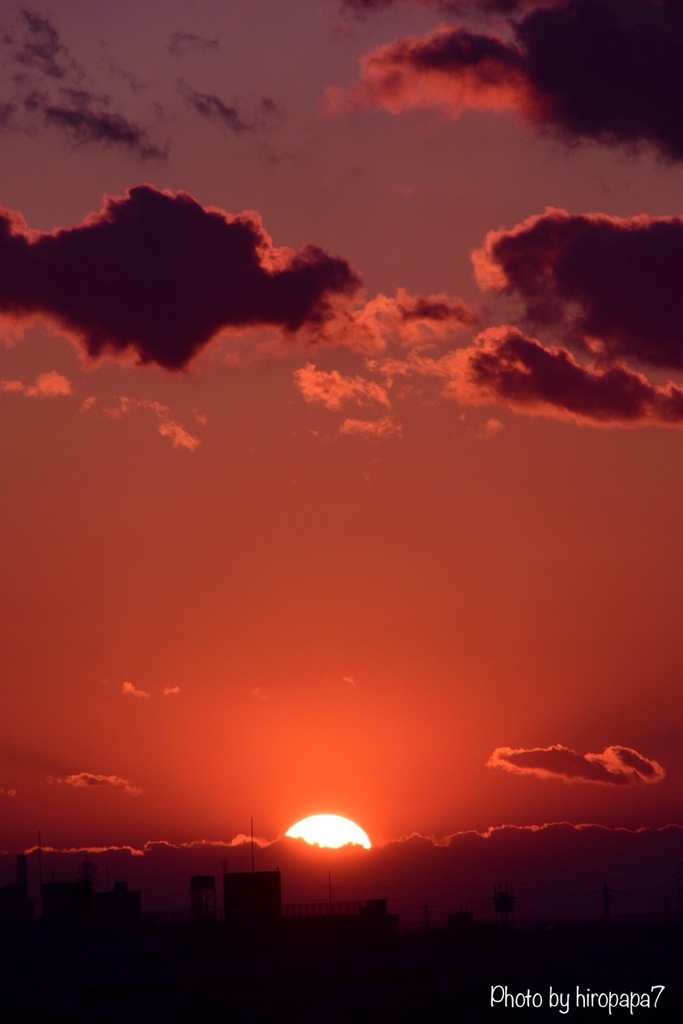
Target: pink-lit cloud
[(47, 385), (505, 367), (129, 689), (90, 780), (258, 693), (602, 70), (614, 766), (450, 69), (403, 320), (167, 427), (371, 430), (177, 434), (333, 390), (490, 428)]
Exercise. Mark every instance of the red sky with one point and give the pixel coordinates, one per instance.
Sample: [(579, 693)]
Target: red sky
[(342, 397)]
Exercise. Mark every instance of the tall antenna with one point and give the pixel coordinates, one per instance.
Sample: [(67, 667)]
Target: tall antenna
[(40, 873), (252, 844)]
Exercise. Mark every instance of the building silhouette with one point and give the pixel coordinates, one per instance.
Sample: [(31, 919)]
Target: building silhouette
[(503, 903), (15, 905), (120, 909), (252, 896), (67, 906), (203, 898)]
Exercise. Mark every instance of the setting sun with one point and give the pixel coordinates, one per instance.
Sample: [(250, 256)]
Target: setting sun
[(329, 830)]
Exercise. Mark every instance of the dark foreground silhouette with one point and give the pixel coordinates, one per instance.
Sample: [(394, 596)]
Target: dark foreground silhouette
[(339, 968)]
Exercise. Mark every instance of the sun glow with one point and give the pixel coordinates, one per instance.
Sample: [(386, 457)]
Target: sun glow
[(329, 830)]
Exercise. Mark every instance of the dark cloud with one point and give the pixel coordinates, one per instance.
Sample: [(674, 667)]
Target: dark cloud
[(603, 70), (39, 47), (181, 43), (213, 108), (612, 284), (614, 766), (361, 7), (7, 113), (368, 5), (230, 116), (158, 275), (434, 309), (50, 91), (116, 70), (506, 367), (82, 118), (609, 70)]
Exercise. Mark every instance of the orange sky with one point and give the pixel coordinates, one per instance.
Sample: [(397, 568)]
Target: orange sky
[(318, 529)]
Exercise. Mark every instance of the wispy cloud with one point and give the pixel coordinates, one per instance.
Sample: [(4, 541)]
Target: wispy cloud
[(168, 427), (490, 428), (50, 89), (371, 430), (129, 689), (37, 45), (182, 43), (83, 117), (230, 115)]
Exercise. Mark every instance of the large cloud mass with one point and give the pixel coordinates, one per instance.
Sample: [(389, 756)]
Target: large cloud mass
[(606, 70), (362, 7), (611, 284), (158, 275)]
